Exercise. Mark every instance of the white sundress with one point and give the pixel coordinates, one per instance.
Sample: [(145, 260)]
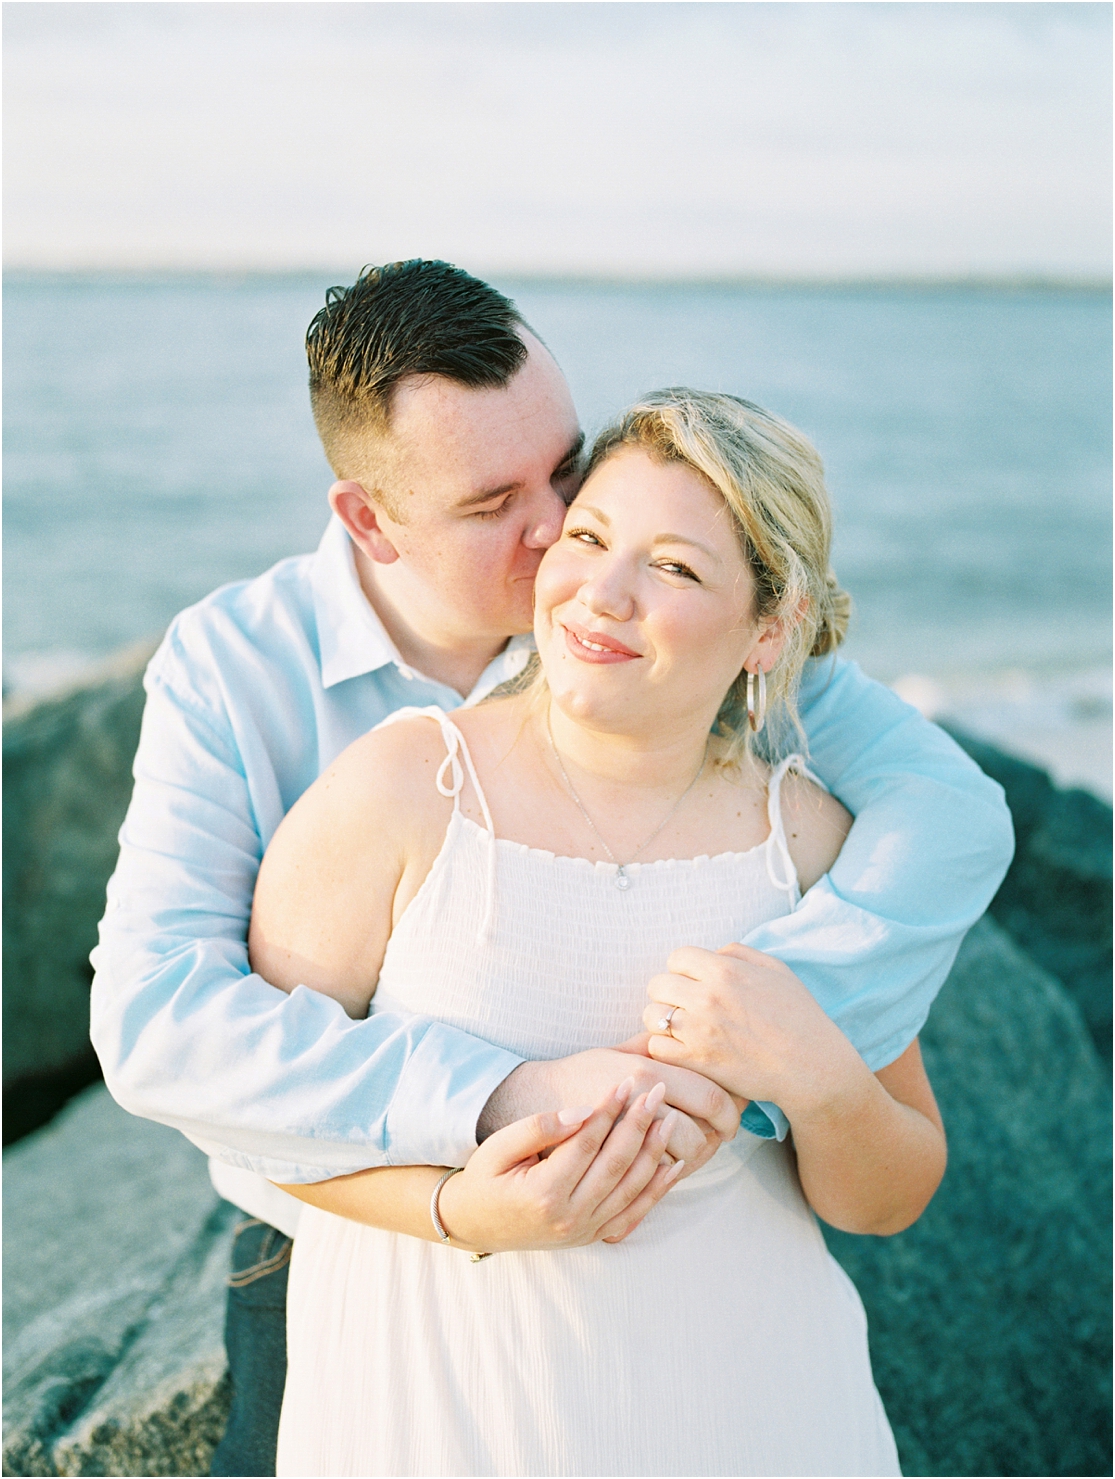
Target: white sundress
[(720, 1338)]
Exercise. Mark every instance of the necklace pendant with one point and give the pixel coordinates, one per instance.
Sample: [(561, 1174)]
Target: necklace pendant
[(622, 880)]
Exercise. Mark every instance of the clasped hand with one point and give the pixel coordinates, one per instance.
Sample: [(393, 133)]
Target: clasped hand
[(547, 1176), (744, 1020), (564, 1178)]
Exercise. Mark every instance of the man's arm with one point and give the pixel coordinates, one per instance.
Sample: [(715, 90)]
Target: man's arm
[(932, 839), (287, 1086)]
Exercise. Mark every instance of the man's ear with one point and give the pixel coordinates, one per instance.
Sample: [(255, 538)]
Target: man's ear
[(357, 511)]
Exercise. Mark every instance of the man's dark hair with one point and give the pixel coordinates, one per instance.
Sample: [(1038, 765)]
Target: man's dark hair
[(408, 318)]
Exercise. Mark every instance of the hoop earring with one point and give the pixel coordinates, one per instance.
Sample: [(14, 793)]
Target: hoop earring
[(756, 715)]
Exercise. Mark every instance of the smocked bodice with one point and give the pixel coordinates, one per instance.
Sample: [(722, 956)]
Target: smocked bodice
[(542, 954)]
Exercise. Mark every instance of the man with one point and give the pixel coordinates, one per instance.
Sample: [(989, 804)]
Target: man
[(456, 446)]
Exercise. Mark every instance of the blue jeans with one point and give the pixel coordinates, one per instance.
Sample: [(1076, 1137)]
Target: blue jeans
[(255, 1340)]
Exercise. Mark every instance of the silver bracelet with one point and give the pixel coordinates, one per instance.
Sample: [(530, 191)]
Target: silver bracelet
[(435, 1215)]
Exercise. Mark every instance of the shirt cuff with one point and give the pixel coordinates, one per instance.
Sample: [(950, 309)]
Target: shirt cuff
[(765, 1120), (447, 1081)]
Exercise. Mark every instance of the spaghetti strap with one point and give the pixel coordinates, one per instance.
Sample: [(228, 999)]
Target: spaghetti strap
[(455, 747), (784, 876)]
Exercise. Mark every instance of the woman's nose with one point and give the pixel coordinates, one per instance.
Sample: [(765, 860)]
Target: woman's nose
[(610, 592)]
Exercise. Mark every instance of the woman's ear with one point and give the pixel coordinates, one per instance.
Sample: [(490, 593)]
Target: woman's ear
[(360, 515), (772, 639)]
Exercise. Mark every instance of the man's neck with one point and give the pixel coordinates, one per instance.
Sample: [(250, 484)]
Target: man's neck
[(444, 658)]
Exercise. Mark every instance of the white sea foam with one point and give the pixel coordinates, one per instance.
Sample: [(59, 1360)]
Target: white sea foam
[(1061, 721), (40, 674)]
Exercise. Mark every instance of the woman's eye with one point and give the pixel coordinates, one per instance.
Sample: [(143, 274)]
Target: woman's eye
[(675, 567), (585, 536)]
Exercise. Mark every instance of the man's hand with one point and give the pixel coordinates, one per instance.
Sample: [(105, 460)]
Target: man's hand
[(707, 1116), (560, 1180), (745, 1019)]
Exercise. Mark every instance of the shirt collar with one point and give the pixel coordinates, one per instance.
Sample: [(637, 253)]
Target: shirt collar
[(352, 640)]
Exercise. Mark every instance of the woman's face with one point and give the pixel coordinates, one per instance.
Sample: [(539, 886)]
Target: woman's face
[(643, 608)]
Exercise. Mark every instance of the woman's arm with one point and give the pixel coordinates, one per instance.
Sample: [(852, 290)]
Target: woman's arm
[(344, 863), (872, 1153), (601, 1177), (870, 1147)]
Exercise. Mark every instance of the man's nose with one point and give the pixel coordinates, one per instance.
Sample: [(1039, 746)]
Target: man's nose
[(547, 516)]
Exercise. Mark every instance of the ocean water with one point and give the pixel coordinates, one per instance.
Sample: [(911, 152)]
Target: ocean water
[(158, 443)]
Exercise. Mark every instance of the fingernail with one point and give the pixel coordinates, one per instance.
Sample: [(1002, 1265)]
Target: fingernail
[(656, 1096), (574, 1116), (666, 1126), (673, 1173), (624, 1090)]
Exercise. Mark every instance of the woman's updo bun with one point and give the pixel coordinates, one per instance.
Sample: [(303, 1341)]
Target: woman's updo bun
[(833, 626), (772, 481)]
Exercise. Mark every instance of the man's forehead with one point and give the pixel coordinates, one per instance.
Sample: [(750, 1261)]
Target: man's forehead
[(483, 433)]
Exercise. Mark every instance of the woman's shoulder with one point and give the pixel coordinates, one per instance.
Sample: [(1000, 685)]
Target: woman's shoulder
[(383, 786), (814, 822), (410, 739)]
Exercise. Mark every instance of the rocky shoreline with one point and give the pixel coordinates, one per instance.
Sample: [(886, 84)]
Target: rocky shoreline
[(67, 782), (989, 1320)]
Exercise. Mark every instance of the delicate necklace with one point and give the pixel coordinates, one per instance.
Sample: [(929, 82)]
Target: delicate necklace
[(622, 880)]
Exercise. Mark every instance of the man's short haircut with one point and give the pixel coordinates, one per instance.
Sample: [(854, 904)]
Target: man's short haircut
[(408, 318)]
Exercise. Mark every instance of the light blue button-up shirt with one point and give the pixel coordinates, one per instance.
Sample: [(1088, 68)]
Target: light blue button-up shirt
[(252, 694)]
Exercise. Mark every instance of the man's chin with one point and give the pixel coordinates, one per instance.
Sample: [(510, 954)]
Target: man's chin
[(519, 617)]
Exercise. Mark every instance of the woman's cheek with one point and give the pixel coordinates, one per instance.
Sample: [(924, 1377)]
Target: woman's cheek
[(545, 603), (707, 655), (558, 581)]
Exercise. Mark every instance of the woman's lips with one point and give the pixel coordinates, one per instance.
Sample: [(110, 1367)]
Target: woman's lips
[(594, 647)]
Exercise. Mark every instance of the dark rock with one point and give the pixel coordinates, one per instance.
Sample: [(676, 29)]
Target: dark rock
[(67, 782), (32, 1099), (990, 1317), (116, 1252), (1056, 898)]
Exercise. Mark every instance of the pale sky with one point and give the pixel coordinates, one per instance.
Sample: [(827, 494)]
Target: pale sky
[(623, 138)]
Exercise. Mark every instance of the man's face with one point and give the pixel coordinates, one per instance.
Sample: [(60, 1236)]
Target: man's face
[(476, 484)]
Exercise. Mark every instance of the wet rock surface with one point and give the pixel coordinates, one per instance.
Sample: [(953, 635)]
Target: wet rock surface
[(1056, 899), (67, 782), (116, 1253), (990, 1318)]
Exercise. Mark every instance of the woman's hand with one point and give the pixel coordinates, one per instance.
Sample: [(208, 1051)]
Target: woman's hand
[(601, 1177), (870, 1147), (744, 1020), (553, 1180)]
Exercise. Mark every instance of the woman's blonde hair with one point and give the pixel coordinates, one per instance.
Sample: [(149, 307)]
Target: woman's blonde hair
[(772, 482)]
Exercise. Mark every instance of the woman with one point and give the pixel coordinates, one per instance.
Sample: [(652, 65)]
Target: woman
[(522, 871)]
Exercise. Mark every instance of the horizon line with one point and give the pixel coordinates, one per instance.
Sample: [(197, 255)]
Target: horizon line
[(1017, 281)]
